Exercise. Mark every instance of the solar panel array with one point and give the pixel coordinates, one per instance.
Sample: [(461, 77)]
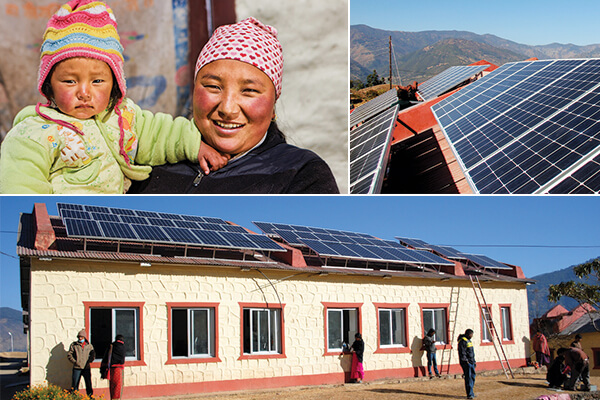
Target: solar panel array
[(98, 222), (528, 127), (369, 149), (452, 253), (349, 245), (450, 78), (374, 107)]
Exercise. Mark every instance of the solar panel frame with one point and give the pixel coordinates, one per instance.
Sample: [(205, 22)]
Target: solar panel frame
[(369, 151), (373, 107), (448, 79), (549, 117), (82, 228)]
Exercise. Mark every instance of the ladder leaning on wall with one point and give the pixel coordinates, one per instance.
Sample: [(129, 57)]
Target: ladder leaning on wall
[(452, 314), (487, 317)]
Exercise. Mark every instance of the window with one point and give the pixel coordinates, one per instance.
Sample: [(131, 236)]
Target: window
[(436, 318), (342, 322), (262, 331), (105, 321), (192, 332), (506, 323), (596, 355), (486, 315), (392, 329)]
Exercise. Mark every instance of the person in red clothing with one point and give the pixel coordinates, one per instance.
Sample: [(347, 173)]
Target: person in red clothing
[(540, 346), (112, 366), (580, 367)]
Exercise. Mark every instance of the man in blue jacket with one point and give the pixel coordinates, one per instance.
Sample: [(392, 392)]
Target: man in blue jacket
[(466, 355)]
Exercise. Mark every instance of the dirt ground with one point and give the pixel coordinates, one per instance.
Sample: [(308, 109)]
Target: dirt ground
[(523, 387)]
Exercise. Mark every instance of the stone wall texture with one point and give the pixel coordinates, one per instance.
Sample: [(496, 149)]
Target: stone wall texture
[(59, 289)]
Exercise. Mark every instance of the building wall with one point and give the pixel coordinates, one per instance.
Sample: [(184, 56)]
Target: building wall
[(60, 288)]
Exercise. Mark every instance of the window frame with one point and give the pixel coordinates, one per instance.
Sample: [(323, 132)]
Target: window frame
[(262, 355), (89, 305), (192, 359), (482, 325), (339, 306), (435, 306), (596, 357), (510, 321), (394, 349)]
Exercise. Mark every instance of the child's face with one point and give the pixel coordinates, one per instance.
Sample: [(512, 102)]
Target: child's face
[(81, 86)]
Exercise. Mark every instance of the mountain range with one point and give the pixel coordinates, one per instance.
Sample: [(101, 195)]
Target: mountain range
[(418, 56), (12, 321)]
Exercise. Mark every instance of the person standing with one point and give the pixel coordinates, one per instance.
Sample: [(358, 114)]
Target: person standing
[(358, 348), (540, 346), (577, 342), (114, 362), (429, 345), (466, 355), (81, 354), (579, 363)]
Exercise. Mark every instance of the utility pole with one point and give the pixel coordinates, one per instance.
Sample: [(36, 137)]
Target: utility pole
[(390, 62), (12, 348)]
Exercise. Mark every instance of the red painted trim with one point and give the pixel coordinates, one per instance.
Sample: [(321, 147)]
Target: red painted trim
[(180, 389), (327, 305), (192, 360), (512, 335), (482, 324), (118, 304), (392, 349), (282, 324), (596, 357), (445, 306)]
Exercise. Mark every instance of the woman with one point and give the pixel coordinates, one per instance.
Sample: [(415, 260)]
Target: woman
[(237, 83), (540, 346), (358, 348), (113, 362)]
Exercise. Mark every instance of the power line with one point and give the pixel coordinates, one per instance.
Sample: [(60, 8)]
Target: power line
[(541, 246), (8, 255)]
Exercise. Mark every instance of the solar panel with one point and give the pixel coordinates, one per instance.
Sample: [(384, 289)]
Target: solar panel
[(373, 107), (527, 127), (148, 226), (350, 245), (414, 243), (449, 79), (486, 262), (369, 150), (448, 252)]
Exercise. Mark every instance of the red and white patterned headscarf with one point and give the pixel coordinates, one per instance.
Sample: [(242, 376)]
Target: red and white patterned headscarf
[(249, 41)]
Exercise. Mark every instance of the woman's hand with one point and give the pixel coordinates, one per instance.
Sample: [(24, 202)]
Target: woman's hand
[(210, 159)]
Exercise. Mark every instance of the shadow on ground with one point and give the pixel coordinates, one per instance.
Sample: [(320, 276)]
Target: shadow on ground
[(400, 391)]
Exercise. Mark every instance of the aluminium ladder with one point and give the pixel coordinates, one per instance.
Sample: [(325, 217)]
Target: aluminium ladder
[(487, 317), (452, 314)]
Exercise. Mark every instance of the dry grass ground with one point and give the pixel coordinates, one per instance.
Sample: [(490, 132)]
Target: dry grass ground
[(359, 97), (523, 387)]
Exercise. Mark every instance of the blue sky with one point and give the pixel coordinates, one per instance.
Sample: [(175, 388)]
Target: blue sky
[(561, 226), (532, 22)]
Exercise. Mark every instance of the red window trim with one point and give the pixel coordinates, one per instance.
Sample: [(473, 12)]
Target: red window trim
[(282, 322), (596, 355), (481, 324), (445, 306), (512, 334), (192, 360), (392, 349), (118, 304), (328, 305)]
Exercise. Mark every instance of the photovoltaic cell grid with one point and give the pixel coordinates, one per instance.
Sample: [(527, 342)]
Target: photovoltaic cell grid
[(528, 127), (350, 245), (454, 254), (374, 107), (369, 147), (148, 226), (450, 78)]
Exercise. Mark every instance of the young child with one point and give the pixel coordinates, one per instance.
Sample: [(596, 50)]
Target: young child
[(89, 138)]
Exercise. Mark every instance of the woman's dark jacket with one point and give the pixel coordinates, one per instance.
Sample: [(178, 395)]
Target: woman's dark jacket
[(118, 354), (359, 349), (274, 167)]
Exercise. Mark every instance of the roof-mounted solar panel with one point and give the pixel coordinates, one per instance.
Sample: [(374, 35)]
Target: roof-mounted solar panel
[(528, 127), (369, 151), (447, 80), (374, 107), (94, 222), (486, 262), (412, 242)]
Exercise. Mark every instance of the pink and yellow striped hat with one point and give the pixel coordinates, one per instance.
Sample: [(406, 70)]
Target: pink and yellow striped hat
[(82, 28)]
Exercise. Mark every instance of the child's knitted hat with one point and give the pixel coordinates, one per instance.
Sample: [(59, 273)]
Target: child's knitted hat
[(82, 28), (249, 41)]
